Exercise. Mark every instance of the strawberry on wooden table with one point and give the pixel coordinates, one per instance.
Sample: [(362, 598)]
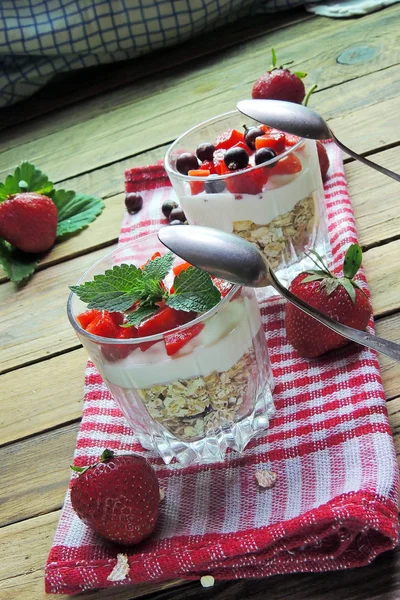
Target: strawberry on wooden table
[(280, 84), (118, 497), (337, 297)]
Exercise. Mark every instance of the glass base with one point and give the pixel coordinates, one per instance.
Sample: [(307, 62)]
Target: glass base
[(213, 447)]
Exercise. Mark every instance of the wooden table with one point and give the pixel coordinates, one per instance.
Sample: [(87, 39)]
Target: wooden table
[(83, 132)]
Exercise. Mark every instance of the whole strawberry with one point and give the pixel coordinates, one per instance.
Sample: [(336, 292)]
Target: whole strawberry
[(280, 84), (118, 497), (339, 298), (323, 160), (29, 222)]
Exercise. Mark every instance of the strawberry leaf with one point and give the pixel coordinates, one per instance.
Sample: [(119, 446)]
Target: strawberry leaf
[(300, 74), (349, 287), (194, 290), (314, 277), (75, 211), (31, 178), (352, 261), (17, 264)]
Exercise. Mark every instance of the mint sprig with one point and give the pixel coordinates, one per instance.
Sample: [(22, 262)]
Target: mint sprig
[(75, 211), (123, 286)]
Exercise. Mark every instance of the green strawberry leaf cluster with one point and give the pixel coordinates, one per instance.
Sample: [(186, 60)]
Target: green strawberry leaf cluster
[(75, 211), (138, 291)]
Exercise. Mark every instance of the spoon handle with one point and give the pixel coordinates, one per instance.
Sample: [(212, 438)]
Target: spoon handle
[(366, 161), (360, 337)]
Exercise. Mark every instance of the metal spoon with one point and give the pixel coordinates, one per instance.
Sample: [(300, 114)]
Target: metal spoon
[(232, 258), (302, 121)]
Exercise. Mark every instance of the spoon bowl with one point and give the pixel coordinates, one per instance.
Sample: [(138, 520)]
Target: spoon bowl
[(302, 121), (234, 259)]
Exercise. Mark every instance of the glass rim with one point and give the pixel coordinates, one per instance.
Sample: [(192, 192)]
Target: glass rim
[(215, 177), (150, 338)]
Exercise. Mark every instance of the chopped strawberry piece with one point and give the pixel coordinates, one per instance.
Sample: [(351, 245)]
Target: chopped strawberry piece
[(244, 146), (87, 317), (163, 320), (117, 317), (291, 139), (117, 351), (248, 182), (223, 286), (288, 165), (272, 139), (265, 128), (197, 186), (176, 341), (228, 139), (103, 326), (181, 267), (207, 165)]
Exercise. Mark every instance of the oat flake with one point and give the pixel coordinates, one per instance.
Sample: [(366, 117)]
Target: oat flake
[(207, 580), (121, 569), (162, 494), (266, 479)]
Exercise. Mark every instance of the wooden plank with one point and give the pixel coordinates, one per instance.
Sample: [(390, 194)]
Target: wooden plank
[(79, 85), (42, 396), (126, 130), (389, 328), (33, 320), (24, 548), (382, 267), (35, 474)]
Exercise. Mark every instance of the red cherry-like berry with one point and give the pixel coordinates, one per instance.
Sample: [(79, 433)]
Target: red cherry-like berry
[(186, 162), (133, 202), (118, 497)]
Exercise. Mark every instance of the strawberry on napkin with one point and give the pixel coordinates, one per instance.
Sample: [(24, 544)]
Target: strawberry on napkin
[(327, 461)]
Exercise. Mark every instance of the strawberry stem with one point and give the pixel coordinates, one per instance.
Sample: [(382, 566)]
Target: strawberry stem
[(310, 91), (273, 58), (319, 262), (106, 455)]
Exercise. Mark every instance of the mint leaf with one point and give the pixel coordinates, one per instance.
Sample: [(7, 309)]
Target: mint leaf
[(352, 261), (17, 264), (194, 290), (116, 290), (159, 268), (75, 210), (139, 315), (31, 178)]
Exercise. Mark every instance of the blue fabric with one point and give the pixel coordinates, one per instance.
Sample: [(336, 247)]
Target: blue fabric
[(40, 38)]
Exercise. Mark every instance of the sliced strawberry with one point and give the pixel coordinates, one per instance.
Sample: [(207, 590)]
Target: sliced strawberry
[(103, 326), (248, 182), (117, 317), (291, 139), (244, 146), (176, 341), (163, 320), (288, 165), (272, 139), (87, 317), (228, 139), (197, 186), (181, 267), (118, 351), (207, 165)]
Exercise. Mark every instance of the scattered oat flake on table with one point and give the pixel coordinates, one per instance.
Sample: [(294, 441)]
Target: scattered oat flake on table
[(121, 569), (266, 479), (207, 580)]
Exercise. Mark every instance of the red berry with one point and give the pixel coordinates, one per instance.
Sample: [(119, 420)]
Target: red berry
[(177, 340), (197, 186), (29, 222), (133, 202), (288, 165), (118, 498), (114, 351), (309, 337), (323, 160), (279, 84), (228, 138), (87, 317), (273, 139), (103, 326), (248, 181)]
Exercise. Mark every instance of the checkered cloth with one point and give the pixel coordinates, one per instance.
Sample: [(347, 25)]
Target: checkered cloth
[(41, 38), (334, 504)]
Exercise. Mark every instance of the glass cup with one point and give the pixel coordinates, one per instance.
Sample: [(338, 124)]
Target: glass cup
[(278, 205), (213, 394)]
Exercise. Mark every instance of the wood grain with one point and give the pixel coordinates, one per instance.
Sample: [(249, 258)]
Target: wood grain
[(42, 396), (119, 131)]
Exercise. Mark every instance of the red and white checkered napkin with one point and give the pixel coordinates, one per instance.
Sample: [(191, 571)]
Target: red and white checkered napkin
[(334, 502)]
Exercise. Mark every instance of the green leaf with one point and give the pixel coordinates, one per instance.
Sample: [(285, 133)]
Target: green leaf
[(31, 178), (75, 210), (139, 315), (194, 290), (352, 261), (273, 58), (17, 264), (349, 287), (159, 267), (115, 290), (300, 74), (312, 278)]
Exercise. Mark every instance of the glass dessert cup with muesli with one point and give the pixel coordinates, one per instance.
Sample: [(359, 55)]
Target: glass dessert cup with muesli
[(191, 383), (235, 174)]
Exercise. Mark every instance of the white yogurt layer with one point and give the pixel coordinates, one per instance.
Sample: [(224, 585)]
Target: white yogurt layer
[(279, 196), (227, 335)]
